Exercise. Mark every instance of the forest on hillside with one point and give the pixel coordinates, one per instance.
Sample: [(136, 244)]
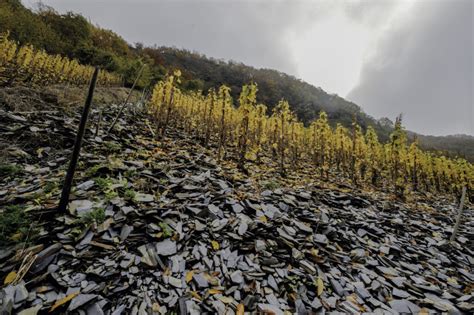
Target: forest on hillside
[(74, 36)]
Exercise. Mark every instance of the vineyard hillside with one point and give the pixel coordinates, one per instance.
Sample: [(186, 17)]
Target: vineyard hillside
[(163, 222), (73, 36)]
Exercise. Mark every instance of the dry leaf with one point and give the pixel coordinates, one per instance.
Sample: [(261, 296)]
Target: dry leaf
[(10, 277), (240, 309), (214, 291), (226, 299), (320, 286), (64, 300), (263, 219), (189, 276), (353, 299), (424, 311), (196, 295), (215, 245)]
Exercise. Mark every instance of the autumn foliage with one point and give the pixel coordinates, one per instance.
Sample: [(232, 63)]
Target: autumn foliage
[(25, 64), (397, 165)]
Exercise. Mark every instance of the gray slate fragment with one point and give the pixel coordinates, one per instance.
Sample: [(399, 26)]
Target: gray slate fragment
[(237, 276), (404, 306), (268, 308), (320, 238), (21, 293), (200, 280), (80, 300), (166, 247)]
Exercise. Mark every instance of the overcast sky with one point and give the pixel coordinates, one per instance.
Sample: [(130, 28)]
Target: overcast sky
[(388, 56)]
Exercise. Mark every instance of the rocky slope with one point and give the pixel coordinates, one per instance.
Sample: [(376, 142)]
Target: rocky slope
[(161, 227)]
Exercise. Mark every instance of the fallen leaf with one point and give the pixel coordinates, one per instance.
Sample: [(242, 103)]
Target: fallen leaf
[(240, 309), (214, 291), (155, 307), (452, 281), (215, 245), (17, 236), (320, 286), (226, 299), (10, 277), (424, 311), (189, 276), (352, 298), (64, 300), (263, 219), (196, 295)]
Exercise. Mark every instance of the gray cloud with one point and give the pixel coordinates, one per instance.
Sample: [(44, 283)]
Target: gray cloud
[(373, 13), (423, 68)]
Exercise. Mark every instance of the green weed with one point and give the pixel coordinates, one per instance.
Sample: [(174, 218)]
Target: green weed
[(14, 225), (10, 170)]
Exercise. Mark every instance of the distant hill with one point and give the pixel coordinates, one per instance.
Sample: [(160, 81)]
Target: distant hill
[(454, 145)]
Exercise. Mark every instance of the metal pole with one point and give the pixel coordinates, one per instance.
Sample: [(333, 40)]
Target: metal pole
[(458, 220), (77, 145), (126, 100)]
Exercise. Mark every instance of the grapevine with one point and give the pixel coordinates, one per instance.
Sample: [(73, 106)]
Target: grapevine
[(398, 166)]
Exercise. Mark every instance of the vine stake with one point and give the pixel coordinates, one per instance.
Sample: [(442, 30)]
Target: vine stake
[(77, 145)]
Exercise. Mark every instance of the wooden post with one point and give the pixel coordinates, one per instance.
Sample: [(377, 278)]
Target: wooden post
[(126, 100), (77, 145), (458, 220)]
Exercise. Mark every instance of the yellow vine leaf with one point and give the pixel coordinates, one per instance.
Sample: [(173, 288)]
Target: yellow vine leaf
[(189, 276), (10, 277), (214, 291), (424, 311), (352, 298), (240, 309), (215, 245), (320, 286), (64, 300), (263, 219), (196, 295)]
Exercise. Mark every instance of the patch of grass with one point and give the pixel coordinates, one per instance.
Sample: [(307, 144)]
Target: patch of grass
[(129, 195), (95, 216), (167, 231), (14, 225), (103, 183), (49, 187), (10, 170), (271, 185), (93, 170), (110, 194), (112, 146), (129, 173)]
